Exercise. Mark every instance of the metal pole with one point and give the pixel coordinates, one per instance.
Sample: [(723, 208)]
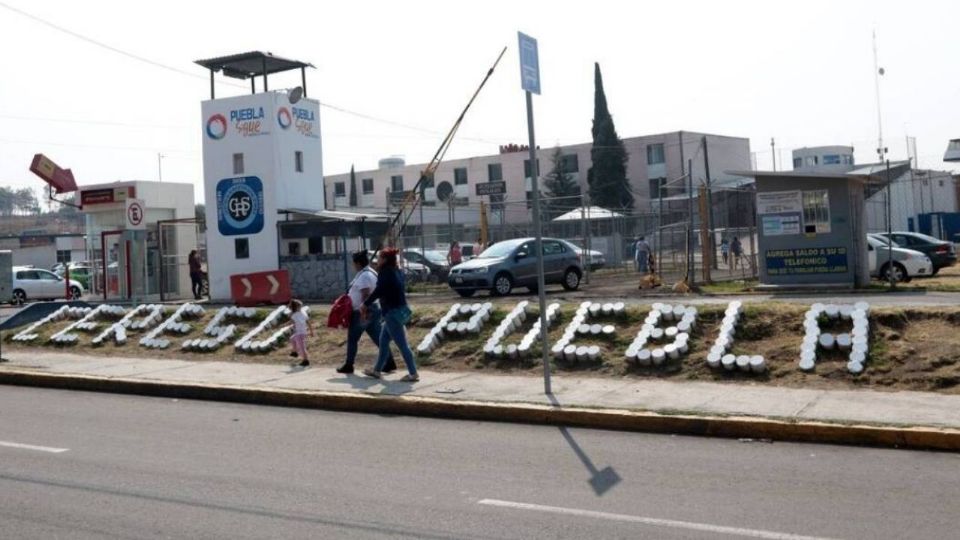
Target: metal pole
[(710, 236), (773, 153), (659, 260), (585, 218), (893, 282), (159, 167), (213, 94), (303, 80), (423, 243), (690, 264), (263, 62), (538, 234)]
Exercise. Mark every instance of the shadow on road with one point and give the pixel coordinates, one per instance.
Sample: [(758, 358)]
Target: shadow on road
[(601, 480)]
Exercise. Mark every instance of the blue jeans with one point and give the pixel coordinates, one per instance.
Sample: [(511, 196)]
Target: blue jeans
[(393, 330), (358, 327), (642, 263)]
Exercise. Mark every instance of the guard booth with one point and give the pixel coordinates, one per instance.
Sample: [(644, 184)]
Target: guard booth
[(812, 226), (139, 235)]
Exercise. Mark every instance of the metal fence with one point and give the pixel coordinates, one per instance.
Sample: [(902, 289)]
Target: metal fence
[(689, 237)]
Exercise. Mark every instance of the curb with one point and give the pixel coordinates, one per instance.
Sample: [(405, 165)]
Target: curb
[(917, 438)]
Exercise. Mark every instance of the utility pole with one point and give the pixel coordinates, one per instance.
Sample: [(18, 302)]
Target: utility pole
[(690, 264), (893, 282), (773, 153), (159, 167), (423, 243), (712, 241)]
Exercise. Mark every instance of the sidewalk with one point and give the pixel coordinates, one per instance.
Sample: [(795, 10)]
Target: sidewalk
[(909, 419)]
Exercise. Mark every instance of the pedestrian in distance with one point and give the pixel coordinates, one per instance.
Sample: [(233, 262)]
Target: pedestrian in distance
[(301, 327), (725, 250), (455, 254), (478, 247), (390, 291), (642, 255), (196, 274), (360, 289), (736, 250)]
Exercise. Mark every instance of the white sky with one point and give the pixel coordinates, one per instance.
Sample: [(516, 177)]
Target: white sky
[(798, 71)]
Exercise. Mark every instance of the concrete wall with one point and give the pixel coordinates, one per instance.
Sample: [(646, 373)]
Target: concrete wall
[(846, 222), (317, 277)]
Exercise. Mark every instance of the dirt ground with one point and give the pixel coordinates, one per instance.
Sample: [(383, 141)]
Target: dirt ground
[(913, 349)]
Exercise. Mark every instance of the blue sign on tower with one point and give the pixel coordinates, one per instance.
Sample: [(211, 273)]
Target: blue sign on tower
[(529, 64), (240, 206)]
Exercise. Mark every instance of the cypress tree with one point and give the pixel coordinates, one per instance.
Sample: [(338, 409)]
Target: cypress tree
[(353, 188), (607, 177)]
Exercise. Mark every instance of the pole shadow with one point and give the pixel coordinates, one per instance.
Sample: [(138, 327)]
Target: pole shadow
[(601, 480)]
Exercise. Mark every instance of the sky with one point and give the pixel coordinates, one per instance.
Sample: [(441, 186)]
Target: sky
[(393, 76)]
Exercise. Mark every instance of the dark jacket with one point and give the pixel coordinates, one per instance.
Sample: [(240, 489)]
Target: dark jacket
[(390, 290)]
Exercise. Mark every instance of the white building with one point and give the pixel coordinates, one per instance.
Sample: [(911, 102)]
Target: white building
[(261, 154)]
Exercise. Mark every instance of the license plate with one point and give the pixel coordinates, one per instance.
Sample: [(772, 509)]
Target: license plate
[(458, 280)]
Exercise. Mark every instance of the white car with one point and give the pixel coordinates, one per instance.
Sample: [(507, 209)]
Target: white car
[(597, 259), (38, 284), (907, 263)]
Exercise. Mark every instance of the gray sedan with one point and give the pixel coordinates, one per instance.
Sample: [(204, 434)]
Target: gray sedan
[(511, 263)]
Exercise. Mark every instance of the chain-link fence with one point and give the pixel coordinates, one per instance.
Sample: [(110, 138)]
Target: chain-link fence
[(712, 239)]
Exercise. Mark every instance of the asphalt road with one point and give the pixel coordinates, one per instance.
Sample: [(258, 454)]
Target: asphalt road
[(81, 465)]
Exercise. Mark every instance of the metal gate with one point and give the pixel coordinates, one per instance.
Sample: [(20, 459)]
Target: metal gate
[(168, 254)]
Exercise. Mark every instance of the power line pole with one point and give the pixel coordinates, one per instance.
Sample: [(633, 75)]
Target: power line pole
[(690, 264), (773, 153), (711, 239), (159, 167)]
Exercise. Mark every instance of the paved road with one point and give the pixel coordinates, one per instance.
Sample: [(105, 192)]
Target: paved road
[(105, 466)]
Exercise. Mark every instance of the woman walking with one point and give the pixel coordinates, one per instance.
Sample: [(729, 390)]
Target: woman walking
[(455, 255), (390, 291), (360, 289)]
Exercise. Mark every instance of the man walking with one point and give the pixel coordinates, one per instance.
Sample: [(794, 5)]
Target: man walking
[(642, 255)]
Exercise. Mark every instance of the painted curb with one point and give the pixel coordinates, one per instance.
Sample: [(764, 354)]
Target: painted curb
[(919, 438)]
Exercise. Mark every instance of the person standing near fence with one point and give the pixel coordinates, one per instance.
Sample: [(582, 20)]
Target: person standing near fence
[(736, 250), (642, 255), (196, 274), (725, 250), (391, 292), (455, 255)]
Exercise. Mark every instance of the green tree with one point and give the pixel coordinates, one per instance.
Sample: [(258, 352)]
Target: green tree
[(353, 188), (607, 177), (560, 188), (200, 213)]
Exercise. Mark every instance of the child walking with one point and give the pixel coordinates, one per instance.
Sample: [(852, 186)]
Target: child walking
[(301, 327)]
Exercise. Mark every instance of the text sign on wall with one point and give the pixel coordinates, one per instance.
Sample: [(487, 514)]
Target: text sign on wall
[(787, 262), (491, 188), (780, 225), (239, 205), (779, 202)]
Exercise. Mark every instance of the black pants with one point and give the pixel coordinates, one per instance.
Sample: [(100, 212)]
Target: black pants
[(196, 279)]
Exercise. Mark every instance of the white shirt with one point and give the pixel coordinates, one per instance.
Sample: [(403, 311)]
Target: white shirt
[(299, 323), (365, 279)]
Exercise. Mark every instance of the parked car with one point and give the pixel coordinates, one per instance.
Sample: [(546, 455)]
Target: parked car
[(942, 253), (38, 284), (510, 264), (414, 272), (78, 271), (433, 259), (597, 259), (907, 263)]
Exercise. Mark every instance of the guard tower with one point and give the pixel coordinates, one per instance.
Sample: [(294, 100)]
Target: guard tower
[(261, 154)]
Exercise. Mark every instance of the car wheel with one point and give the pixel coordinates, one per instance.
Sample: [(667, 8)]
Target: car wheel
[(897, 272), (571, 279), (466, 293), (75, 293), (19, 297), (502, 284)]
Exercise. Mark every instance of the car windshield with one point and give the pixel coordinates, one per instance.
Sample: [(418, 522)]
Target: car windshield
[(500, 249), (926, 238), (436, 257)]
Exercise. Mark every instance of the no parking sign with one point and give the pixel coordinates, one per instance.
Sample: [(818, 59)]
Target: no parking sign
[(134, 215), (240, 205)]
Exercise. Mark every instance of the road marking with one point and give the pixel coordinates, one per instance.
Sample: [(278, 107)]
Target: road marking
[(33, 447), (705, 527)]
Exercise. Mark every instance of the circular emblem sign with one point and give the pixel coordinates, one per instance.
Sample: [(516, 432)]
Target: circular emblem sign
[(240, 205), (135, 214)]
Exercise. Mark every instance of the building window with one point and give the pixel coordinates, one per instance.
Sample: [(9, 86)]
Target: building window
[(298, 161), (396, 183), (655, 154), (238, 164), (315, 245), (847, 159), (293, 248), (367, 186), (63, 256), (831, 159), (811, 161), (816, 211), (460, 176), (656, 185), (241, 248), (494, 172), (570, 163), (797, 162), (340, 189), (526, 168)]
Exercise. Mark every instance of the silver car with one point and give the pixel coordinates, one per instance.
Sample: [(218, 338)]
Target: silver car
[(511, 263)]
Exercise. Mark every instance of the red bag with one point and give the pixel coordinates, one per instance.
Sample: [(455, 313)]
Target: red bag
[(340, 312)]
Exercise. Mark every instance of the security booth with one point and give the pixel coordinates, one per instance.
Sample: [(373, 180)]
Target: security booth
[(316, 248), (138, 237), (812, 226)]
